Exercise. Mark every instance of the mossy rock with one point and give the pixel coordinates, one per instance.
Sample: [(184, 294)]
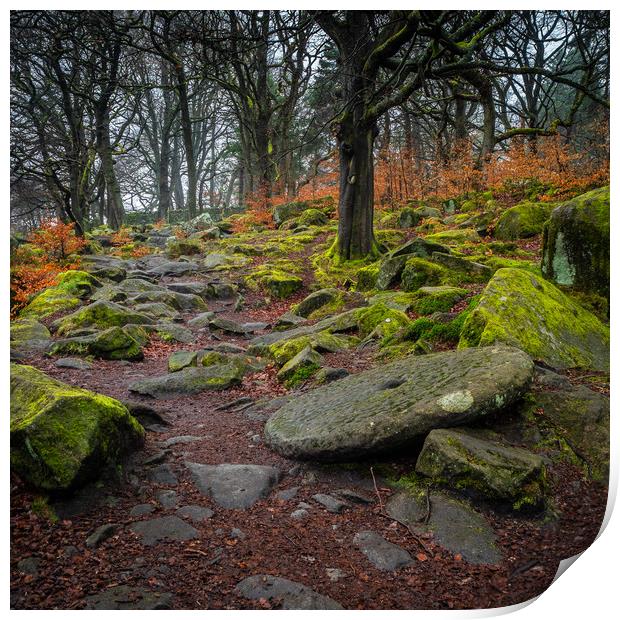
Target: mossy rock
[(419, 247), (390, 270), (576, 243), (304, 364), (284, 212), (524, 310), (63, 436), (317, 300), (312, 217), (79, 283), (408, 218), (114, 343), (100, 315), (284, 350), (189, 381), (50, 301), (183, 247), (419, 272), (29, 335), (488, 469), (380, 315), (279, 283), (522, 221), (181, 359)]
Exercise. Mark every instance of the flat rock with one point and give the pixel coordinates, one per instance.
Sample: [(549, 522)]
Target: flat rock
[(74, 363), (101, 534), (234, 486), (163, 528), (126, 597), (173, 269), (383, 554), (167, 498), (173, 441), (333, 504), (195, 513), (453, 524), (189, 381), (389, 406), (141, 509), (292, 594), (162, 474)]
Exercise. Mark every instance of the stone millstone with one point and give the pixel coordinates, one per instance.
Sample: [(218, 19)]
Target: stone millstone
[(387, 407), (293, 595), (234, 486)]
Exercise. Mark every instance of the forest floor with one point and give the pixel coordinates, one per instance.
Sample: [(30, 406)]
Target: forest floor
[(52, 567)]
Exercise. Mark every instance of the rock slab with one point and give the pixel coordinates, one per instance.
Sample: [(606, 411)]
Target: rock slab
[(383, 554)]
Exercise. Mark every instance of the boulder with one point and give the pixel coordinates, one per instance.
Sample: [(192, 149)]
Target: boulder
[(422, 248), (316, 300), (115, 343), (390, 270), (63, 436), (306, 361), (492, 470), (576, 243), (390, 406), (522, 221), (189, 381), (100, 315), (28, 335), (454, 237), (522, 309), (181, 359)]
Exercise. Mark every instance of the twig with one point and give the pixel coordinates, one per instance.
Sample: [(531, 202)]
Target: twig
[(411, 532), (292, 541), (522, 569), (372, 473)]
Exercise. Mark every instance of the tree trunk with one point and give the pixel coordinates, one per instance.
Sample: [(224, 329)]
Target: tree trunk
[(355, 207), (188, 143)]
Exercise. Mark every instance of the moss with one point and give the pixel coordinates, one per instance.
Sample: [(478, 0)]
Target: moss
[(521, 309), (78, 283), (285, 350), (41, 507), (419, 272), (442, 299), (183, 247), (62, 436), (181, 359), (330, 271), (367, 277), (300, 375)]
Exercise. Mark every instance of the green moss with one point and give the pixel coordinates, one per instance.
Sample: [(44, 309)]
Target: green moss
[(419, 272), (523, 220), (183, 247), (78, 283), (300, 375), (388, 320), (41, 508), (367, 277), (50, 301)]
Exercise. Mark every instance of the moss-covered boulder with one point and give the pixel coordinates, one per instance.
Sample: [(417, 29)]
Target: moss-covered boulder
[(63, 436), (316, 300), (100, 315), (181, 359), (485, 468), (454, 237), (79, 283), (29, 335), (382, 318), (576, 243), (50, 301), (522, 309), (284, 212), (419, 272), (312, 217), (183, 247), (390, 406), (301, 367), (408, 218), (284, 350), (422, 248), (473, 269), (114, 343), (522, 221), (367, 277), (390, 270), (279, 283)]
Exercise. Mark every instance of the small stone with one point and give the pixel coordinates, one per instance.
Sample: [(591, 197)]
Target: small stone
[(70, 551), (73, 362), (195, 513), (331, 503), (173, 441), (383, 554), (334, 574), (163, 474), (141, 509), (156, 458), (301, 513), (288, 494), (30, 565), (238, 534), (168, 499), (354, 496), (101, 534), (304, 505), (170, 528)]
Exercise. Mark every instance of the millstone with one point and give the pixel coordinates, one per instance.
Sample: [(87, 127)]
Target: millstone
[(387, 407)]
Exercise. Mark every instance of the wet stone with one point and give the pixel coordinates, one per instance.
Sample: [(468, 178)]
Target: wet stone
[(168, 499), (288, 494), (382, 554)]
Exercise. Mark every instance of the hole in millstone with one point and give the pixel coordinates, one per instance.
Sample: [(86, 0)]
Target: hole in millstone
[(391, 384)]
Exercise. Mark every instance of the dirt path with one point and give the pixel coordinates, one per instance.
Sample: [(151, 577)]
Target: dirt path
[(53, 567)]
